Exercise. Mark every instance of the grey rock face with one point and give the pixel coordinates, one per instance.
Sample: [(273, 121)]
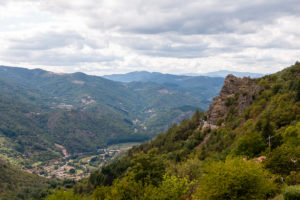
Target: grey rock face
[(238, 91)]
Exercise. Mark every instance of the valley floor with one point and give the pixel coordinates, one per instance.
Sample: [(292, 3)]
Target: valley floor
[(78, 166)]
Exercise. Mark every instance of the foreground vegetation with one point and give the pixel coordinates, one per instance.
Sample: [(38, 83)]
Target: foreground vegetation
[(253, 155)]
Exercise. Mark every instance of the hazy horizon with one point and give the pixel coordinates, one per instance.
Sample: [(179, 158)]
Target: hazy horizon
[(116, 73)]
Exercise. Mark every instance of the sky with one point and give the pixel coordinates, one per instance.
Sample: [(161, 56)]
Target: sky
[(169, 36)]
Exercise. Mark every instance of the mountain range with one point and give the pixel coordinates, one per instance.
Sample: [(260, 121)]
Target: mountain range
[(245, 146), (83, 113), (224, 73), (156, 77)]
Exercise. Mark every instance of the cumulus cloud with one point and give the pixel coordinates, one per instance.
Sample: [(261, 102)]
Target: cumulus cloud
[(175, 36)]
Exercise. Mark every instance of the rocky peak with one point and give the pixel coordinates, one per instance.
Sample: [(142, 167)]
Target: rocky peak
[(236, 91)]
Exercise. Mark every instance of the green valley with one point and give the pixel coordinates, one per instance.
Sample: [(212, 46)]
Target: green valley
[(41, 112)]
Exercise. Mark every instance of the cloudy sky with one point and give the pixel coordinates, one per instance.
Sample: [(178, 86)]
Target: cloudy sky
[(170, 36)]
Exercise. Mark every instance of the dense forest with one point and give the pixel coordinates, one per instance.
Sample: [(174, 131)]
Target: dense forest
[(246, 152)]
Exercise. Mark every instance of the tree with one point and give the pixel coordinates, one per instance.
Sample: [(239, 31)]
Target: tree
[(235, 179), (72, 171), (148, 168), (250, 145), (125, 189), (172, 188), (284, 159), (292, 192)]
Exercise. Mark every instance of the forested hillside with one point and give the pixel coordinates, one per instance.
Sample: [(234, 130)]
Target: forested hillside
[(16, 184), (247, 146), (46, 117), (197, 86)]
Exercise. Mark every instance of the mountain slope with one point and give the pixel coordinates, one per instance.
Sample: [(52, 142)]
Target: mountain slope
[(202, 87), (247, 151), (29, 127), (16, 184), (40, 109)]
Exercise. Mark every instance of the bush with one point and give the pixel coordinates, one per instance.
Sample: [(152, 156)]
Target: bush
[(250, 145), (235, 179), (72, 171), (283, 159), (148, 169), (292, 192), (229, 101), (219, 122), (293, 178), (172, 188)]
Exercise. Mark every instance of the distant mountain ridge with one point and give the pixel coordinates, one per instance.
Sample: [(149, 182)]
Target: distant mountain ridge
[(198, 86), (224, 73), (156, 77), (145, 76)]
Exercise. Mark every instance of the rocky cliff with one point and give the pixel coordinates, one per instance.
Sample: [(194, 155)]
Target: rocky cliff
[(237, 92)]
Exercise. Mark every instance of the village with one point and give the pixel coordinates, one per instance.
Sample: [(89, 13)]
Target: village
[(76, 167)]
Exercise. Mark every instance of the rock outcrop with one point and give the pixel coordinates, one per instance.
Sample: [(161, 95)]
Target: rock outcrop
[(237, 91)]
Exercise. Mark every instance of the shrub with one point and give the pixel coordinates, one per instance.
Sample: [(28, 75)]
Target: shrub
[(292, 192), (171, 188), (229, 101), (235, 179), (72, 171), (293, 178), (283, 159), (250, 145), (219, 122)]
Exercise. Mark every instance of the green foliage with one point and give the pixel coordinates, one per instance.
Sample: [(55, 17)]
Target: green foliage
[(235, 179), (64, 195), (276, 88), (284, 159), (219, 122), (177, 141), (147, 169), (250, 145), (16, 184), (292, 135), (191, 169), (101, 192), (218, 144), (229, 101), (125, 189), (108, 173), (293, 178), (171, 188), (298, 91), (292, 192)]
